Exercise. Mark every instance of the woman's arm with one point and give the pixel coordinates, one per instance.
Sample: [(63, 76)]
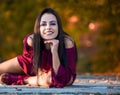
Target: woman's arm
[(55, 57), (65, 77), (54, 50), (13, 65)]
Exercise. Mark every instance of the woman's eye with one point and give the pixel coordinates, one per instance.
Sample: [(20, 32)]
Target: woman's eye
[(53, 24), (43, 24)]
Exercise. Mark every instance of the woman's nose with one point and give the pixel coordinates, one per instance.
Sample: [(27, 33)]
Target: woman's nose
[(48, 26)]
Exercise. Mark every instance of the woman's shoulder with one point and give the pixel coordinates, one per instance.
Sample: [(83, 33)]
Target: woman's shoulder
[(69, 42), (30, 40)]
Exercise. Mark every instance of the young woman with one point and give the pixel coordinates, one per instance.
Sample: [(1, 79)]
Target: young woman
[(49, 56)]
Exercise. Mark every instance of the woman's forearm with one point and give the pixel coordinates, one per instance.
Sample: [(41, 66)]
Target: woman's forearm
[(56, 61)]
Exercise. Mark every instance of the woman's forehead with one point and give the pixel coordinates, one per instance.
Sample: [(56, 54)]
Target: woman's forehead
[(48, 17)]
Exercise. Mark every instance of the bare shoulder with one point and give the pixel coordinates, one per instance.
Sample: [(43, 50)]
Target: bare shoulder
[(30, 40), (69, 42)]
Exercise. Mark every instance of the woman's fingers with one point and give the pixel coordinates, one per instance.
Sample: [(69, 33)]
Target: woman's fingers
[(43, 80), (53, 44), (32, 81), (54, 41)]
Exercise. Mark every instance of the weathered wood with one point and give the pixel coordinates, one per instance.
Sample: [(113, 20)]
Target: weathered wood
[(82, 87)]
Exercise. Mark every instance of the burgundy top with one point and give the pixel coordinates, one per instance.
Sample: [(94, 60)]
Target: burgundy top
[(58, 80)]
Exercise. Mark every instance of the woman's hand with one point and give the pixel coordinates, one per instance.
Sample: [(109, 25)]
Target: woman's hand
[(53, 44), (31, 81), (42, 80), (54, 50)]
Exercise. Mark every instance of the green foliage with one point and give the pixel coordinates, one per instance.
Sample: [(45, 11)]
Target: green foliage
[(109, 38)]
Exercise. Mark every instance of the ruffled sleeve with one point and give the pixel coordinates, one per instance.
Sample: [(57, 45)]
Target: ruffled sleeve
[(26, 59), (63, 76)]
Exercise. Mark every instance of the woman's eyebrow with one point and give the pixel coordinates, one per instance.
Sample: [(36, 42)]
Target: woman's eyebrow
[(49, 21), (43, 21), (53, 21)]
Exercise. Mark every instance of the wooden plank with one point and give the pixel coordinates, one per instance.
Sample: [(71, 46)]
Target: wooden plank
[(75, 89), (84, 86)]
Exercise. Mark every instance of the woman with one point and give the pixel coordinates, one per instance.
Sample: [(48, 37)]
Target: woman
[(49, 56)]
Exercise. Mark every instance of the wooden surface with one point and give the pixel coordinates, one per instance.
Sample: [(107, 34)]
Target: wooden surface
[(82, 86)]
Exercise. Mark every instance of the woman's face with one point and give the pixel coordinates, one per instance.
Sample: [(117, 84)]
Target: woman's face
[(48, 26)]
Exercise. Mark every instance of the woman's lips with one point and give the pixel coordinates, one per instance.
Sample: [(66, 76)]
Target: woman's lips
[(48, 32)]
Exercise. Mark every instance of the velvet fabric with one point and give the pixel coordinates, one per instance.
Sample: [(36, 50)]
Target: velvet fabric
[(58, 80)]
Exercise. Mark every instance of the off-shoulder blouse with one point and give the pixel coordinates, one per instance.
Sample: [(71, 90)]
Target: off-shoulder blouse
[(58, 80)]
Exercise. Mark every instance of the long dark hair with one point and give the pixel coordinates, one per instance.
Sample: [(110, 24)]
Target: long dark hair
[(38, 44)]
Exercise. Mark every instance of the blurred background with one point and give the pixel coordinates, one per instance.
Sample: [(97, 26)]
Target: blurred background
[(93, 24)]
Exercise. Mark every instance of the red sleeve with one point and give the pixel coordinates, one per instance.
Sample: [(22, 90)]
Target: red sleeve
[(64, 76), (26, 59), (13, 79)]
